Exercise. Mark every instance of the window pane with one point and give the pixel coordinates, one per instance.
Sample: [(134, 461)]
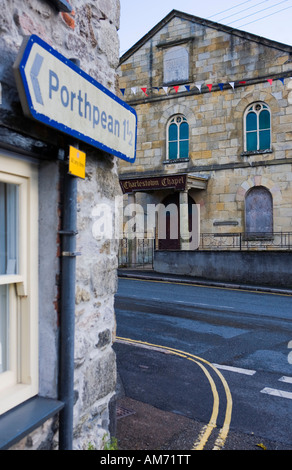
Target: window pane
[(265, 121), (172, 150), (251, 122), (173, 132), (3, 328), (184, 149), (8, 228), (251, 141), (184, 131), (265, 140)]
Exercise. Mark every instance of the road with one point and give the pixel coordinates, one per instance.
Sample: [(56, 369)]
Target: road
[(224, 354)]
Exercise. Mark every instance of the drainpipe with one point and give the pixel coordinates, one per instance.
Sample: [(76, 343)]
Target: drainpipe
[(67, 317)]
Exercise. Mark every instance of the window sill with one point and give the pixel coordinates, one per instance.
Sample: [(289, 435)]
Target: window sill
[(25, 418), (256, 152), (177, 160)]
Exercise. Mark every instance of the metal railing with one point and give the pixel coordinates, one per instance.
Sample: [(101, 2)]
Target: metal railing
[(136, 253), (246, 241), (140, 251)]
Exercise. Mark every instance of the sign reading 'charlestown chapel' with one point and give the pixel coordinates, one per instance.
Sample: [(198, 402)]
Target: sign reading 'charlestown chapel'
[(54, 91), (177, 182)]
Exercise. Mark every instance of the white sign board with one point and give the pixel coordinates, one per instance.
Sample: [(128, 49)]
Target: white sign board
[(54, 91)]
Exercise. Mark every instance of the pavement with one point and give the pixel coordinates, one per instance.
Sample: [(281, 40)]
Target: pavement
[(150, 274), (143, 427)]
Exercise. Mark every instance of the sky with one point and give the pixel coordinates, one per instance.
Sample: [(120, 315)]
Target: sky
[(271, 19)]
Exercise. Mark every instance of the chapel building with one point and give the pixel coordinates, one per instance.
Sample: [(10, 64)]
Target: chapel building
[(214, 108)]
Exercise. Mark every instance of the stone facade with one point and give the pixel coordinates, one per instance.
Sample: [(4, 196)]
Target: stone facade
[(226, 71), (88, 33)]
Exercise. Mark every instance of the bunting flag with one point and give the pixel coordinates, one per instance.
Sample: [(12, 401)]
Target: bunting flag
[(198, 85)]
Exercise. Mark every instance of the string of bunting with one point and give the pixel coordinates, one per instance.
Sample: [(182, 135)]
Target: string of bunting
[(179, 88)]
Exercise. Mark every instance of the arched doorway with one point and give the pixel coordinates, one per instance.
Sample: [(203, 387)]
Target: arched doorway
[(170, 219)]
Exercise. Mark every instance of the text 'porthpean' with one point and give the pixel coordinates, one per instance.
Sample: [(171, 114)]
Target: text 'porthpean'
[(56, 92), (77, 101)]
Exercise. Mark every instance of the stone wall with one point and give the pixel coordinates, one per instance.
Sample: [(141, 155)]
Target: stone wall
[(89, 34), (257, 268), (96, 284)]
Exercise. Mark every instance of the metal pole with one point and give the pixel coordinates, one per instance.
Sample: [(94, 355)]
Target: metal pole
[(67, 317), (67, 320)]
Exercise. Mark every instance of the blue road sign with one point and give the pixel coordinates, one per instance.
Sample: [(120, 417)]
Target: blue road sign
[(54, 91)]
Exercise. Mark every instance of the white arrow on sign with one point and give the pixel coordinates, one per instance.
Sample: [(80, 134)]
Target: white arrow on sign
[(35, 70), (54, 91)]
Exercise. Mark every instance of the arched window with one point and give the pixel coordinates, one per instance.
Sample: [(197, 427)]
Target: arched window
[(257, 128), (259, 212), (177, 138)]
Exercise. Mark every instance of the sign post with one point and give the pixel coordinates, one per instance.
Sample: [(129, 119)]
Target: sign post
[(56, 92)]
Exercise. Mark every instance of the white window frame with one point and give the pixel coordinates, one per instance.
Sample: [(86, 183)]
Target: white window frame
[(170, 122), (20, 381), (257, 112)]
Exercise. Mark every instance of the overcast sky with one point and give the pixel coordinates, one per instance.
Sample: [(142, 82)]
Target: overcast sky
[(271, 19)]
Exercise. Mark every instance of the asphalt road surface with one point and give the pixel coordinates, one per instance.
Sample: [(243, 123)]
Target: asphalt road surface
[(206, 352)]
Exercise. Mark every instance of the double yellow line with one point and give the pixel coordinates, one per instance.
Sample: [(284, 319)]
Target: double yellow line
[(202, 363)]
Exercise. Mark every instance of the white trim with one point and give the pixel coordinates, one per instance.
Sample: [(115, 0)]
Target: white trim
[(20, 382), (169, 123), (257, 112)]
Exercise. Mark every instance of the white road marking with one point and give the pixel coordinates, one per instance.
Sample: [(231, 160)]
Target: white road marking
[(287, 380), (277, 393), (238, 370)]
